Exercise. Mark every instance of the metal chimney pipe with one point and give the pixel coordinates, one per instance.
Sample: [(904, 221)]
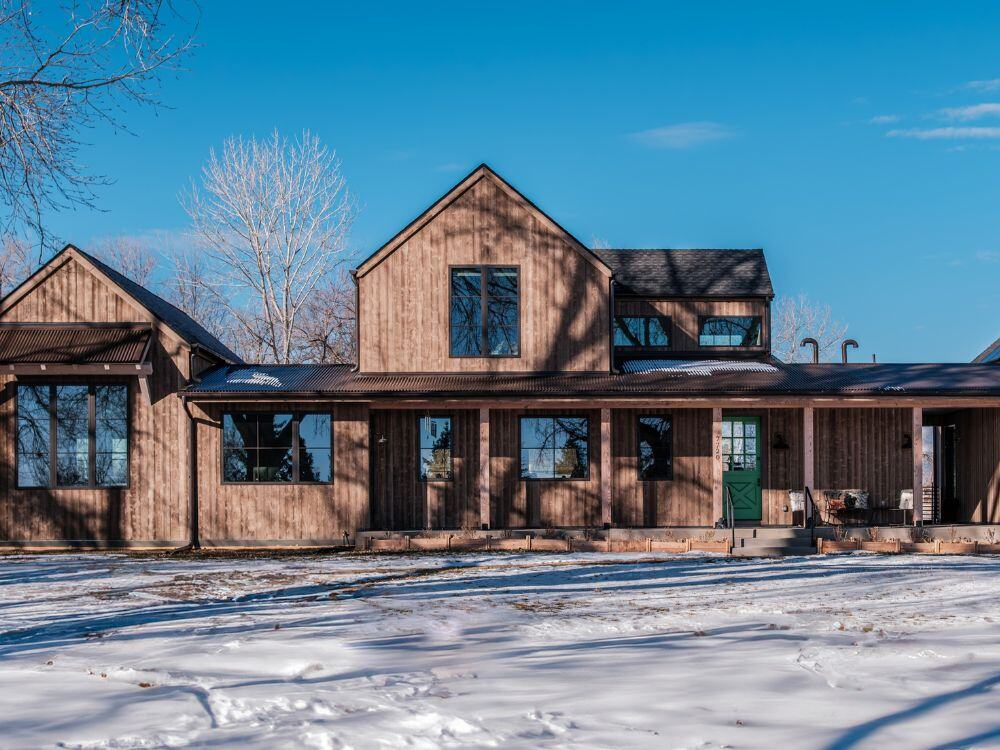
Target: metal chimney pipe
[(809, 341), (843, 349)]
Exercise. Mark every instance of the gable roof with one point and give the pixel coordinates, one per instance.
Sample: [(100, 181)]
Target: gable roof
[(178, 321), (690, 273), (481, 172), (991, 354)]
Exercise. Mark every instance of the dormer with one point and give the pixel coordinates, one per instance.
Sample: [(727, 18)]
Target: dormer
[(699, 304)]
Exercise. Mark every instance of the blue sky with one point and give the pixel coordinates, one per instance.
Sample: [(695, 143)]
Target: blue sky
[(853, 141)]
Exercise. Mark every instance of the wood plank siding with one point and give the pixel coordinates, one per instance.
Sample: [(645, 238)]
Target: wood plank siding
[(540, 503), (978, 465), (400, 500), (154, 508), (404, 299), (261, 513), (684, 316), (862, 449)]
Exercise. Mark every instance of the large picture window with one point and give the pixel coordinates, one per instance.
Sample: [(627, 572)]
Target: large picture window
[(555, 447), (484, 315), (642, 331), (655, 448), (732, 331), (435, 448), (72, 435), (282, 447)]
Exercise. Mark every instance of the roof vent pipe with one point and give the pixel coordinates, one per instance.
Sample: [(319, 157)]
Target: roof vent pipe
[(809, 341), (843, 349)]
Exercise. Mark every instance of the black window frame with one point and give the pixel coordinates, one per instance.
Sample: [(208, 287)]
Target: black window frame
[(638, 447), (666, 322), (91, 435), (484, 336), (297, 416), (702, 319), (451, 449), (520, 421)]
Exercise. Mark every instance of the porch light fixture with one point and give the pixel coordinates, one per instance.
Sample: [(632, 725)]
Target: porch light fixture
[(382, 440), (907, 441), (779, 443)]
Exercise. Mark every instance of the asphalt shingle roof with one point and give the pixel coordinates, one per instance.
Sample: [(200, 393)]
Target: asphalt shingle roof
[(186, 326), (689, 273)]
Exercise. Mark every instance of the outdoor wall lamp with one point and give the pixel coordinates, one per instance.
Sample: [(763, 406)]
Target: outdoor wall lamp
[(907, 441), (779, 443)]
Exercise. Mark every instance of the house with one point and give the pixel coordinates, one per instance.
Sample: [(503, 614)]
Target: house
[(507, 377), (990, 354)]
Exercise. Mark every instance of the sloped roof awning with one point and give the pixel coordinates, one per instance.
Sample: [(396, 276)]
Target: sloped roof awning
[(65, 348)]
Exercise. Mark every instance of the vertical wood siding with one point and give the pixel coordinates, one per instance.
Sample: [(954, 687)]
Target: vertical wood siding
[(540, 503), (978, 465), (400, 501), (234, 513), (154, 508), (684, 314), (404, 301), (862, 449)]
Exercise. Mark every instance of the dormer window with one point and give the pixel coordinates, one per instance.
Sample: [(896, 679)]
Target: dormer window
[(731, 331), (646, 331), (485, 315)]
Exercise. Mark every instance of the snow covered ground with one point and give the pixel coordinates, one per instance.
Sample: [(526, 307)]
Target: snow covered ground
[(513, 651)]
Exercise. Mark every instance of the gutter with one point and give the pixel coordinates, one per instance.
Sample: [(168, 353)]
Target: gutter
[(611, 325), (357, 320)]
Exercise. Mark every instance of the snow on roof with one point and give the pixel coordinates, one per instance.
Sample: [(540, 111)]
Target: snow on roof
[(703, 367)]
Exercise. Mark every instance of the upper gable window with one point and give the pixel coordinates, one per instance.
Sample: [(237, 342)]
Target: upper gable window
[(642, 331), (485, 317), (731, 331)]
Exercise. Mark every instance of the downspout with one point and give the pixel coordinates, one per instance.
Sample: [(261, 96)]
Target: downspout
[(194, 542), (357, 320), (611, 326)]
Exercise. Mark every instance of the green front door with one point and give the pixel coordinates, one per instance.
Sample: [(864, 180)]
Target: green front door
[(741, 466)]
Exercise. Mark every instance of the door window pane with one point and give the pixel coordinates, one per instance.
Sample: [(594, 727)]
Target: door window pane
[(655, 448), (435, 448), (555, 447)]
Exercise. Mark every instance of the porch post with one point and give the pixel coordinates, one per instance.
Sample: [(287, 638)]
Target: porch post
[(808, 443), (606, 467), (918, 464), (716, 464), (484, 467)]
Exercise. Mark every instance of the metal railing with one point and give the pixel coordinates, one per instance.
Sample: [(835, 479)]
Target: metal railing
[(731, 515), (809, 514)]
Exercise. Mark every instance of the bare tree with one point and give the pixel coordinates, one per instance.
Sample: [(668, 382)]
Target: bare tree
[(795, 318), (327, 326), (15, 263), (130, 256), (184, 288), (272, 217), (65, 67)]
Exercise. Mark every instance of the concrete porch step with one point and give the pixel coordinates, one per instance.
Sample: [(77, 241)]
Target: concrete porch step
[(777, 533)]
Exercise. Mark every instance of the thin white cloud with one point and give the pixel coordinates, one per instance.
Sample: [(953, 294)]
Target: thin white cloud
[(988, 256), (884, 119), (448, 167), (948, 133), (683, 135), (988, 84), (971, 112)]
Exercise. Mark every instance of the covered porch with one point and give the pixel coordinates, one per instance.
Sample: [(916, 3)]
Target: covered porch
[(861, 461)]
